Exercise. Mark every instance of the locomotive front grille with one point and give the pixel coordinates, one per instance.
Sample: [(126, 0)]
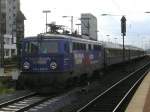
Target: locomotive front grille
[(37, 61)]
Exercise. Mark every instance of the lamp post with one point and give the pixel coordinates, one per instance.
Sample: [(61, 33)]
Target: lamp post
[(46, 11), (147, 12), (108, 38), (71, 22), (115, 41), (78, 27)]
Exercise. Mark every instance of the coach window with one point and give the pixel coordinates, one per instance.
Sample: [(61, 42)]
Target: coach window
[(83, 47), (74, 46), (89, 47), (94, 47), (78, 46), (97, 47)]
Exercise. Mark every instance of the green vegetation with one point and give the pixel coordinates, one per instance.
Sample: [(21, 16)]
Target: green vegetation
[(6, 82), (11, 61), (4, 89)]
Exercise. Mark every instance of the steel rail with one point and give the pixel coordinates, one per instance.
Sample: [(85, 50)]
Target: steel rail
[(132, 88), (103, 93), (25, 104), (16, 100), (32, 104)]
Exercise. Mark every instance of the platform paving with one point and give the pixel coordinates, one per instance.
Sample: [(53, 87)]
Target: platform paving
[(141, 99)]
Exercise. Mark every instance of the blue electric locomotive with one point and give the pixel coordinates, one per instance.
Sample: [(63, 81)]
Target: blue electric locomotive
[(49, 60), (54, 60)]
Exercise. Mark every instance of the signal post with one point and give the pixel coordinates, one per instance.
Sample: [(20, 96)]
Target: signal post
[(123, 32)]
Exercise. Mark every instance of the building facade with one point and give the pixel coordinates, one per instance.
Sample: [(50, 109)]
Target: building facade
[(89, 26), (9, 46), (11, 14)]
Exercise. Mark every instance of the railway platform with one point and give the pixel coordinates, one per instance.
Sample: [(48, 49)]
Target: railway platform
[(141, 99)]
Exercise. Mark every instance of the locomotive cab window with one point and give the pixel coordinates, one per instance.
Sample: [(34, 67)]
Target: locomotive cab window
[(89, 47), (31, 47), (48, 47), (41, 47)]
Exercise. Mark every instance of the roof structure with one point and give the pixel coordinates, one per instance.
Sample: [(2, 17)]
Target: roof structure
[(79, 38)]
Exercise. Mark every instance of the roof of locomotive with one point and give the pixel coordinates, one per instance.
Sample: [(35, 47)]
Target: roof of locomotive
[(58, 36), (79, 39)]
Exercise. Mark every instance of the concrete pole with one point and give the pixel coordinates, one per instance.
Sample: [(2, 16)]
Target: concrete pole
[(123, 49), (46, 11), (1, 45), (71, 24)]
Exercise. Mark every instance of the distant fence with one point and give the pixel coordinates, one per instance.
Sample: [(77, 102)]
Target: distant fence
[(10, 66)]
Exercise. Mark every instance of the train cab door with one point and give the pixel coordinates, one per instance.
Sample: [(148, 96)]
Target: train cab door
[(66, 48), (67, 56)]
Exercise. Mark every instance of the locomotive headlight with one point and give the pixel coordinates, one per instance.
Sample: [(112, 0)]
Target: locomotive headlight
[(53, 65), (26, 65)]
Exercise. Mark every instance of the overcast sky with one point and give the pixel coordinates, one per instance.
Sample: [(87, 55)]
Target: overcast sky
[(138, 22)]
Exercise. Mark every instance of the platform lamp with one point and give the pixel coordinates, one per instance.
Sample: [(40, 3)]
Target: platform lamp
[(78, 27), (46, 12)]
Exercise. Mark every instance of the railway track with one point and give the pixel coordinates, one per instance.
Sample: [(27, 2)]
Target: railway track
[(22, 103), (117, 97), (112, 100)]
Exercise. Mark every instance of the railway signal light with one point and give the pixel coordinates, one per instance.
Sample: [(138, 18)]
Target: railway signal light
[(123, 31), (123, 26)]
